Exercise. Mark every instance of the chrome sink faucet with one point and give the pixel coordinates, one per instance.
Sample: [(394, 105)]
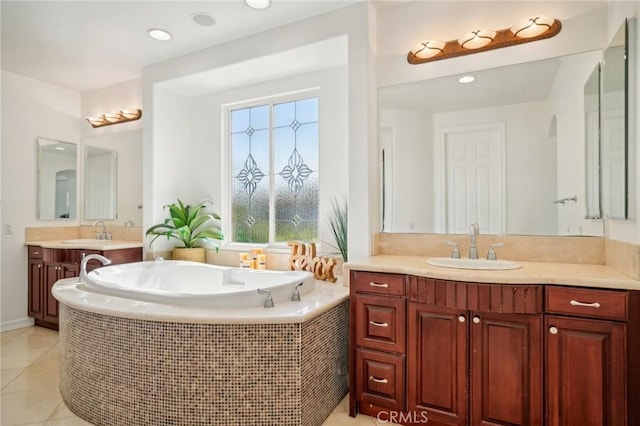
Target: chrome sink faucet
[(103, 232), (474, 229)]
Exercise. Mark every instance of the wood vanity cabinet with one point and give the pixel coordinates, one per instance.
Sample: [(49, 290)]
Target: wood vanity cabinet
[(46, 266), (493, 354), (475, 347)]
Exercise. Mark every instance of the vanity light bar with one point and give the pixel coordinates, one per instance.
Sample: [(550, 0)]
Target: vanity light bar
[(121, 116), (526, 31)]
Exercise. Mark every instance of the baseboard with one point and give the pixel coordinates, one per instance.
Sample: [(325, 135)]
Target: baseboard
[(12, 325)]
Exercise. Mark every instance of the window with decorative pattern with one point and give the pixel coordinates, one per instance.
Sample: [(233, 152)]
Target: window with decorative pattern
[(274, 172)]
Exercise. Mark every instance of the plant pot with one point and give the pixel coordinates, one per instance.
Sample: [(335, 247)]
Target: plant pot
[(195, 254)]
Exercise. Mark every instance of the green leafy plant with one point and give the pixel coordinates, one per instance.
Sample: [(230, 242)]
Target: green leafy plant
[(189, 224), (337, 218)]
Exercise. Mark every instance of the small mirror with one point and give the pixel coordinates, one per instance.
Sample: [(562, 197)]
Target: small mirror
[(113, 177), (100, 183), (615, 126), (57, 179), (592, 144)]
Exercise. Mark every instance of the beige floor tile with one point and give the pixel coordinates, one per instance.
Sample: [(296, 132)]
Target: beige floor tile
[(69, 421), (343, 406), (343, 419), (62, 412), (6, 336), (18, 408), (39, 375), (7, 375), (20, 358), (31, 338)]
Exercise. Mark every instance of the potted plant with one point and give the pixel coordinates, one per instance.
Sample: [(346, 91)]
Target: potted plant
[(337, 218), (192, 226)]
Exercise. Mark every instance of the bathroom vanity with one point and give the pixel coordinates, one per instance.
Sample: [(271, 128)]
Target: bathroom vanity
[(542, 345), (51, 261)]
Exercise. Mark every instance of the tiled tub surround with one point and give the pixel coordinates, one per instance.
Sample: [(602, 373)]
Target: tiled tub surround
[(131, 363)]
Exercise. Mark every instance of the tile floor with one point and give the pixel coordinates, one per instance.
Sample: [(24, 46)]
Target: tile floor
[(30, 364)]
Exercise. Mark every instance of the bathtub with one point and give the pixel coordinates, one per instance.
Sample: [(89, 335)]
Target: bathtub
[(182, 283), (152, 343)]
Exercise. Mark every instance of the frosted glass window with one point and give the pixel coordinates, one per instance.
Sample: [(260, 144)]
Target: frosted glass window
[(277, 203)]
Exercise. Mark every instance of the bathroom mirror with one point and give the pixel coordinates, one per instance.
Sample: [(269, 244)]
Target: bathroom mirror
[(616, 144), (592, 144), (112, 186), (506, 151), (57, 179), (100, 183)]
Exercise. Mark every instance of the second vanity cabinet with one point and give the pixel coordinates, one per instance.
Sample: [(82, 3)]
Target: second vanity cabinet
[(47, 265), (494, 354)]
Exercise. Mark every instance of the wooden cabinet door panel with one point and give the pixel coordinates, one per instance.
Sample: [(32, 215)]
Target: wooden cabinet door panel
[(585, 379), (35, 289), (51, 275), (506, 369), (436, 363)]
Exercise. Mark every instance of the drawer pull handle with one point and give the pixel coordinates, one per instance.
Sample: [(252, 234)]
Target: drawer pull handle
[(587, 305), (379, 324), (553, 330), (383, 285), (383, 381), (36, 252)]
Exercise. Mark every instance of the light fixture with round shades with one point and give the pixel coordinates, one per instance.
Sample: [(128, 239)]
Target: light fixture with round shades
[(532, 27), (477, 39), (428, 49)]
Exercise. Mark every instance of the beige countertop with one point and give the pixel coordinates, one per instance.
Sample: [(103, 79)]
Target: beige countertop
[(86, 244), (579, 275)]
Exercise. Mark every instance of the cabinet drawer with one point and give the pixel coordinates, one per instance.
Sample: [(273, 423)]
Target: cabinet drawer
[(380, 322), (35, 252), (587, 302), (376, 282), (380, 379)]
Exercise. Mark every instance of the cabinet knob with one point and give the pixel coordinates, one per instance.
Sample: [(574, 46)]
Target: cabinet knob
[(476, 320), (383, 381), (461, 318), (39, 265), (553, 330)]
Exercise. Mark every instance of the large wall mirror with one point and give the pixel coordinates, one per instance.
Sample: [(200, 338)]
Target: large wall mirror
[(113, 177), (506, 151), (57, 179)]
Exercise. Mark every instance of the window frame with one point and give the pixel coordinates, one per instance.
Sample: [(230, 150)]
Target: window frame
[(227, 179)]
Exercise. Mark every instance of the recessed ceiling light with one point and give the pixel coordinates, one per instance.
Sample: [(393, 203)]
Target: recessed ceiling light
[(466, 79), (203, 19), (258, 4), (59, 148), (158, 34)]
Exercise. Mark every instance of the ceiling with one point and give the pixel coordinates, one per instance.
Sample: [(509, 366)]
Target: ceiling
[(88, 45)]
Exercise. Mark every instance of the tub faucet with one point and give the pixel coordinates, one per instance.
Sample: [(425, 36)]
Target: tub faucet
[(295, 297), (268, 302), (474, 229), (85, 259)]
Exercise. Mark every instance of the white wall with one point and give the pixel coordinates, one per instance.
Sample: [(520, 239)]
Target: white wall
[(30, 109), (164, 178)]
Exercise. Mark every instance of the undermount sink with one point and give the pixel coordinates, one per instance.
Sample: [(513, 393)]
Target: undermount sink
[(465, 263), (87, 241)]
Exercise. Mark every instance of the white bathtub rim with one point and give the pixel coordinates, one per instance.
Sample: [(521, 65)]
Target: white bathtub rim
[(325, 296)]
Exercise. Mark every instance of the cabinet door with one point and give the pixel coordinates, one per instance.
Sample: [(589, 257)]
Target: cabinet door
[(506, 369), (35, 289), (51, 275), (437, 363), (380, 379), (585, 372)]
